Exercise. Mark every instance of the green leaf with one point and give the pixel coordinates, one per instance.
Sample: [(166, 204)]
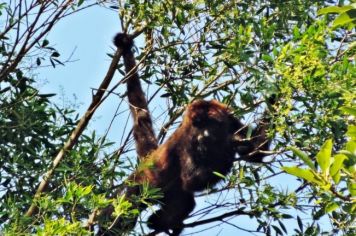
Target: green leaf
[(282, 227), (334, 9), (349, 110), (302, 155), (324, 156), (278, 231), (45, 43), (351, 148), (219, 175), (345, 18), (337, 164), (48, 95), (267, 58), (336, 177), (306, 174), (352, 188), (332, 206), (55, 54), (80, 2), (351, 131), (300, 223), (87, 190)]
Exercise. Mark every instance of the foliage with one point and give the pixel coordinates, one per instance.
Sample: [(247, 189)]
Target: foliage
[(347, 15), (239, 52), (329, 180)]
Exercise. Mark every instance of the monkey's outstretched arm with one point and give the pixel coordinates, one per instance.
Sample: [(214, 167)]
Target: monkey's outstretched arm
[(145, 138), (255, 148)]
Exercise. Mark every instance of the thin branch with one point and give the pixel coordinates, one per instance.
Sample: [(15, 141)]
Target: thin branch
[(219, 218)]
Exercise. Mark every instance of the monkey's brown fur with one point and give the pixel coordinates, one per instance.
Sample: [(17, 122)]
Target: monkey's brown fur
[(205, 142)]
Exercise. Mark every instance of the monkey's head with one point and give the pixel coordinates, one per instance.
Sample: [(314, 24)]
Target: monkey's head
[(211, 120)]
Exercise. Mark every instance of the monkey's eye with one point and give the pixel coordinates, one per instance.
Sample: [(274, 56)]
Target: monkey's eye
[(199, 122), (206, 122)]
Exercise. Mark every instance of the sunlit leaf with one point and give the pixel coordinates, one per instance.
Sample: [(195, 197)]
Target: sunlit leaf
[(352, 188), (324, 156), (345, 18), (351, 131), (337, 164), (306, 174), (351, 147), (219, 175), (349, 110), (331, 207), (334, 9), (302, 155)]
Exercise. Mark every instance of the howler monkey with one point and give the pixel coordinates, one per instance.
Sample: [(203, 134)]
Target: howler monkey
[(205, 142)]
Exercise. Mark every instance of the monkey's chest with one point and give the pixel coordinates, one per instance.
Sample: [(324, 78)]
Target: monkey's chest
[(199, 171)]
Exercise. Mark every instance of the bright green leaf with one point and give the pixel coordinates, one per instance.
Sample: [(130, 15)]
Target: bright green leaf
[(352, 188), (336, 177), (351, 149), (219, 175), (332, 206), (351, 131), (349, 110), (334, 9), (324, 156), (306, 174), (302, 155), (345, 18), (87, 190), (336, 165), (241, 172)]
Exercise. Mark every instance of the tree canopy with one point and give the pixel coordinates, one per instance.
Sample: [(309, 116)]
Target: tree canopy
[(54, 173)]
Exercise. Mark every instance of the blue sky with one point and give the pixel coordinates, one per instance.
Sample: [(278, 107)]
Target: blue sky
[(86, 37)]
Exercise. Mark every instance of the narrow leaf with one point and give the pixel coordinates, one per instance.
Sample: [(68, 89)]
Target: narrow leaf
[(302, 155), (336, 166), (300, 223), (345, 18), (333, 9), (219, 174), (351, 150), (306, 174), (278, 231), (332, 206), (349, 110), (351, 131), (352, 188), (336, 177), (324, 156)]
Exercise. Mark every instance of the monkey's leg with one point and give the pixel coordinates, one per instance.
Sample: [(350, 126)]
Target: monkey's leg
[(176, 206)]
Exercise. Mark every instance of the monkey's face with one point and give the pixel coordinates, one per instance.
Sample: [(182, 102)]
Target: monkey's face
[(210, 120)]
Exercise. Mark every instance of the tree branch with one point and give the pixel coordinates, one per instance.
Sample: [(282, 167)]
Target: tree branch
[(219, 218)]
